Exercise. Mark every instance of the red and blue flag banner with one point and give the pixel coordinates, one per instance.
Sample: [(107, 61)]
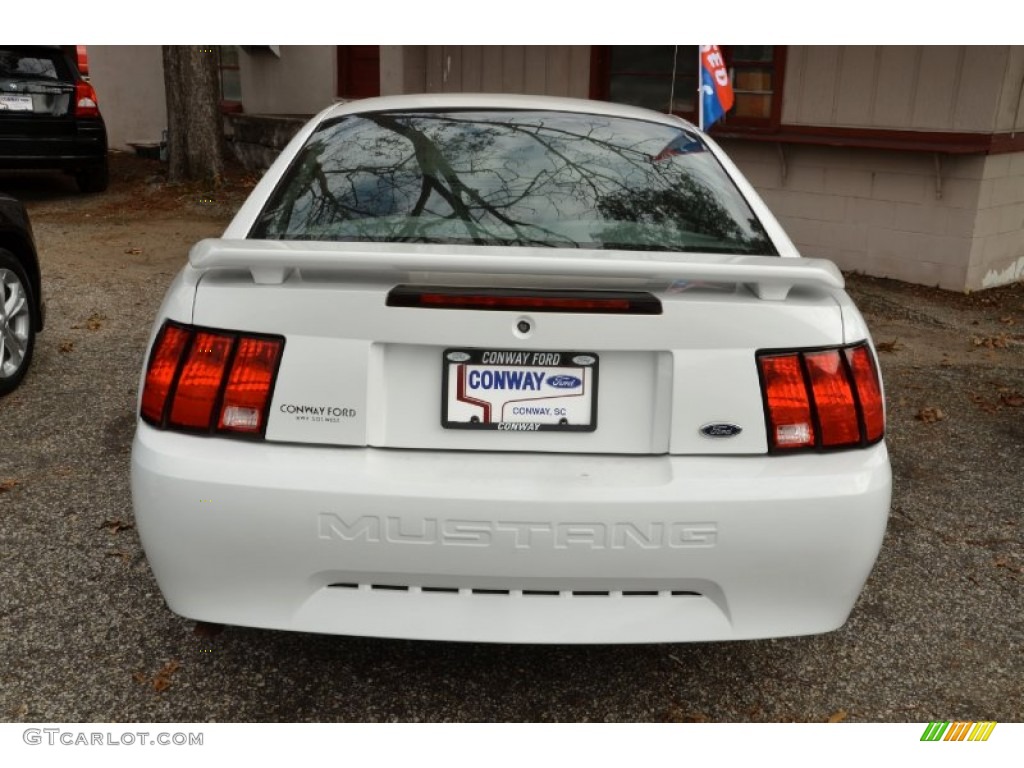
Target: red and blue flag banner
[(683, 144), (716, 95)]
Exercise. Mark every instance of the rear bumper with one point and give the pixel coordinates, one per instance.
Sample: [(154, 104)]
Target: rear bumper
[(73, 147), (508, 547)]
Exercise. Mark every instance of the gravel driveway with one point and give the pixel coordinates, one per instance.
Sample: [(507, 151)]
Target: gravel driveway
[(936, 634)]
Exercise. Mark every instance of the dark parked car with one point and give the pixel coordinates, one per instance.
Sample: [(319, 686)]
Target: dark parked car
[(49, 117), (21, 307)]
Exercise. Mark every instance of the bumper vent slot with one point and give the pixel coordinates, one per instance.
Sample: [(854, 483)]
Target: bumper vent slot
[(513, 592)]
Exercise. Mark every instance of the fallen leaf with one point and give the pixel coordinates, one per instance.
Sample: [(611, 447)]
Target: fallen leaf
[(95, 321), (1012, 400), (677, 714), (116, 525), (162, 679), (66, 346), (930, 415), (7, 485), (133, 251), (984, 403), (207, 629), (992, 342), (140, 678), (1004, 562), (888, 346), (838, 716)]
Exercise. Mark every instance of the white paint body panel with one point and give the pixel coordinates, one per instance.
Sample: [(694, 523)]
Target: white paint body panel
[(662, 377), (255, 533)]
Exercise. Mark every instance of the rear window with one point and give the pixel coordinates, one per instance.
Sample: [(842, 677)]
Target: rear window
[(527, 178), (17, 64)]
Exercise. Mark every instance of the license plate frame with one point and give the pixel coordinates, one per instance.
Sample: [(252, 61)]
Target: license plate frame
[(15, 102), (551, 380)]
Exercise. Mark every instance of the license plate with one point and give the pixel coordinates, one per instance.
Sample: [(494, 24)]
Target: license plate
[(519, 391), (15, 102)]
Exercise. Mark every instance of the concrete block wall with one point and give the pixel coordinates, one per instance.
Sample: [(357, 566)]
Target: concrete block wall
[(959, 226), (997, 252), (257, 140)]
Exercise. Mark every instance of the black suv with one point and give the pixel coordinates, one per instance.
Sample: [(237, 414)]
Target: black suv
[(49, 117)]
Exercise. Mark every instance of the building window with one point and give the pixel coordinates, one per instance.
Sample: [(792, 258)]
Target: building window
[(230, 79), (643, 76), (752, 69), (358, 71)]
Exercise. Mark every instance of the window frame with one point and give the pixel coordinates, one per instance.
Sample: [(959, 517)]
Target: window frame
[(232, 106), (601, 74)]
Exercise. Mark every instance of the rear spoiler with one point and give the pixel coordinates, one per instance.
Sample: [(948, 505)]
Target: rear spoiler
[(272, 261)]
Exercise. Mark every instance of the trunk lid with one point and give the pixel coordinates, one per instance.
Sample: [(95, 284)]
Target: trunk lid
[(358, 372)]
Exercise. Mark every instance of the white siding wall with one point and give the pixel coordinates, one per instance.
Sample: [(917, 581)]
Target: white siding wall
[(299, 82), (553, 70), (957, 88), (129, 82), (1010, 112)]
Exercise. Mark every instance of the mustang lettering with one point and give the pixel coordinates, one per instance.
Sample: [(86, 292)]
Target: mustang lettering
[(521, 535)]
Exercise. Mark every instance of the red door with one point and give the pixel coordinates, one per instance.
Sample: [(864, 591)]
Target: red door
[(358, 71)]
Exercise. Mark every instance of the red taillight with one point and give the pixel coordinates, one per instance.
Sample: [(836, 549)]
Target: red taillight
[(526, 300), (205, 380), (869, 392), (86, 104), (522, 303), (82, 60), (789, 408), (829, 398), (833, 398), (163, 367), (200, 380), (249, 384)]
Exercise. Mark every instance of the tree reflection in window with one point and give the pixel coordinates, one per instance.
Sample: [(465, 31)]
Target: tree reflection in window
[(523, 178)]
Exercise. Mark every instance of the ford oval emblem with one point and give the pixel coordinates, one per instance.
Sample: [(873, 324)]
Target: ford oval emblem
[(564, 382), (458, 357), (720, 430), (584, 360)]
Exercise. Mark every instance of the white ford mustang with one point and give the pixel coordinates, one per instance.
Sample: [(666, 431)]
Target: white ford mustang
[(514, 369)]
